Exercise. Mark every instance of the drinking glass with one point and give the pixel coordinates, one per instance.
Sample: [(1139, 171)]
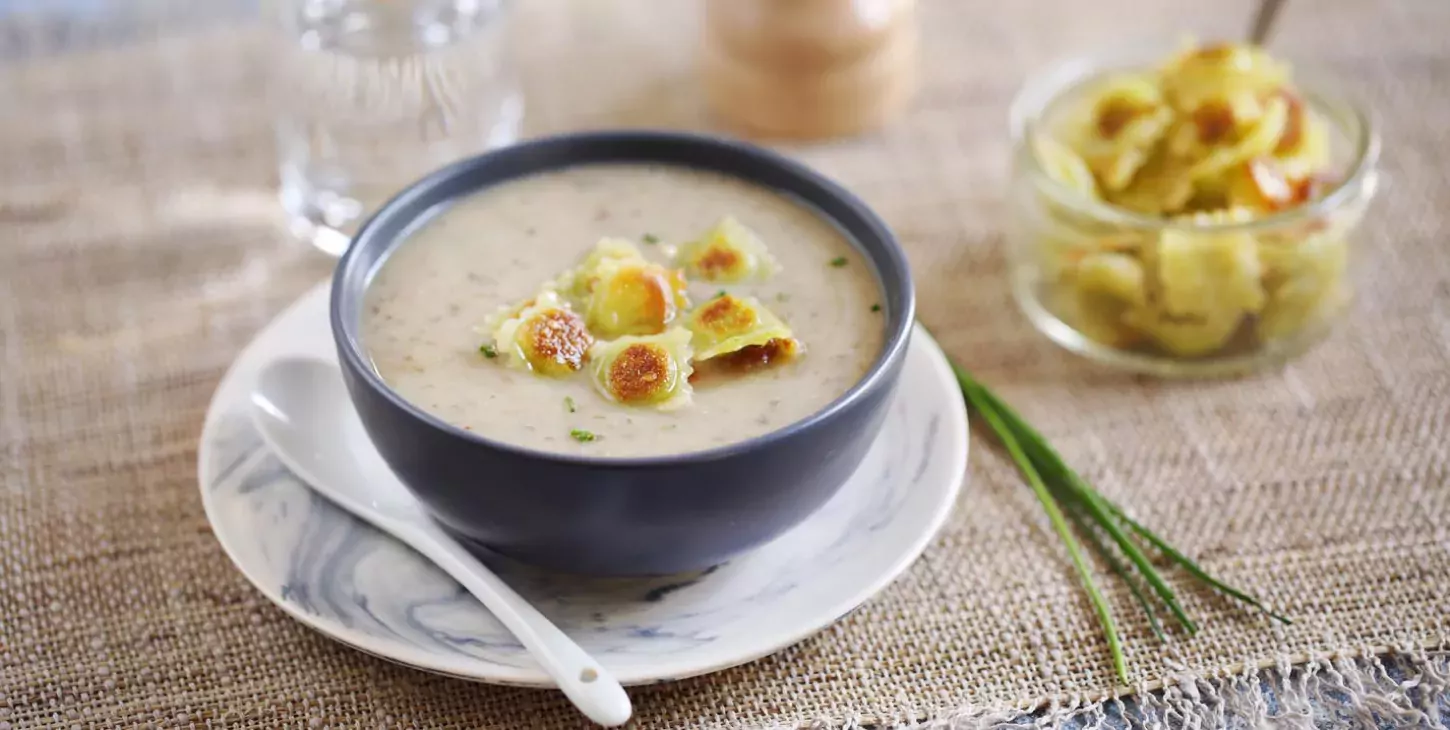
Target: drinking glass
[(372, 94)]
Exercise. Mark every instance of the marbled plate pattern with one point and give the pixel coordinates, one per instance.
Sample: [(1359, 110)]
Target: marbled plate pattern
[(361, 587)]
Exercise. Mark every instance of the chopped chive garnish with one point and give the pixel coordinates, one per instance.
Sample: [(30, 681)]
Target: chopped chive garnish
[(721, 293), (650, 238), (569, 404), (875, 307), (838, 262), (582, 436), (488, 351)]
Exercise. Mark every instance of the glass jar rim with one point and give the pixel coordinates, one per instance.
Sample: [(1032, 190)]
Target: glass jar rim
[(1043, 89)]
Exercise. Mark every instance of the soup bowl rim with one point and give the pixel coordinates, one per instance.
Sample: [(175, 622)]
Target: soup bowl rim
[(895, 276)]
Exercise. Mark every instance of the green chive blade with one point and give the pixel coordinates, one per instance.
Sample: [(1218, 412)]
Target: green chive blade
[(1054, 514), (1189, 565), (1050, 461), (1121, 571), (1061, 489), (1091, 501)]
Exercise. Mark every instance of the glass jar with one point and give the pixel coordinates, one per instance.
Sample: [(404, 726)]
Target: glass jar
[(1091, 275)]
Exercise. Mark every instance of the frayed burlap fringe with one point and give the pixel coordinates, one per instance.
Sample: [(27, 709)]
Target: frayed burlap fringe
[(1407, 689)]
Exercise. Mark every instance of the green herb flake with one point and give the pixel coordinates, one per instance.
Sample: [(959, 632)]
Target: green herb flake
[(582, 436), (782, 297), (839, 261), (650, 238), (721, 293), (569, 404), (875, 307), (488, 351)]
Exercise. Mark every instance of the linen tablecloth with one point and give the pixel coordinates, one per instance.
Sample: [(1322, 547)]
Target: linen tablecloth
[(141, 246)]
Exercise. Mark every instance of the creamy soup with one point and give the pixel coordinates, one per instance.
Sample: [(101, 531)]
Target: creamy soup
[(427, 303)]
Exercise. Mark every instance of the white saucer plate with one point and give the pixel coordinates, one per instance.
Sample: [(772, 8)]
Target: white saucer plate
[(349, 581)]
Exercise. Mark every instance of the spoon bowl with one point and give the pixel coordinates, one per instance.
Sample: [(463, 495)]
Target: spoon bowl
[(301, 408)]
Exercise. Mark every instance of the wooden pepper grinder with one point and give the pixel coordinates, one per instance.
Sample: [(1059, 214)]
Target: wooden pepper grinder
[(808, 69)]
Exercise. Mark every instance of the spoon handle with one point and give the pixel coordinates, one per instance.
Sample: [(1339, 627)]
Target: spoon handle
[(588, 685)]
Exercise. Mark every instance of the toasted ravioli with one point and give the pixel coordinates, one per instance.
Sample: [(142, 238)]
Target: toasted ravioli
[(649, 370), (544, 336), (1064, 165), (634, 298), (728, 252), (728, 324), (1304, 149), (748, 359), (1258, 140), (1184, 337), (1199, 73), (1120, 130), (578, 283)]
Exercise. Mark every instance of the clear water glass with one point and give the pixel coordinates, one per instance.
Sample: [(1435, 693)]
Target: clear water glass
[(372, 94)]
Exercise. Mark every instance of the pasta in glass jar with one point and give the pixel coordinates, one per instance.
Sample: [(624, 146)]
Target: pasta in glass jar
[(1186, 214)]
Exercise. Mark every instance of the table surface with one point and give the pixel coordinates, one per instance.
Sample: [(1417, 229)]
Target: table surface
[(141, 247)]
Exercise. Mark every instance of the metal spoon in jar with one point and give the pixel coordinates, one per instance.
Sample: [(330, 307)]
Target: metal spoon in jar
[(1264, 19), (302, 410)]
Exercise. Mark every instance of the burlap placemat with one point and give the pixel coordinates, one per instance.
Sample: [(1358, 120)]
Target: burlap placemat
[(140, 249)]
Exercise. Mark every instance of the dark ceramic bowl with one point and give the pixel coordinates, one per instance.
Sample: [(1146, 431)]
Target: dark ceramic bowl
[(617, 516)]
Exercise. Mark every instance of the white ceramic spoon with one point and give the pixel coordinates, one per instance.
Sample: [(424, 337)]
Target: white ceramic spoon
[(303, 412)]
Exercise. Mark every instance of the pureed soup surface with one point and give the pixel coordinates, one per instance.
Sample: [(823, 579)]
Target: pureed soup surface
[(427, 303)]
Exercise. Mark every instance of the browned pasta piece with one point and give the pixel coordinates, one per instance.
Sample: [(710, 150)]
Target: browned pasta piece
[(577, 283), (728, 252), (741, 328), (544, 336), (650, 370), (634, 298)]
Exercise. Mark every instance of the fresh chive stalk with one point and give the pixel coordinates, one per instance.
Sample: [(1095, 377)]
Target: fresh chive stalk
[(1045, 454), (1088, 499), (1063, 492), (1054, 514), (1192, 567), (1120, 570)]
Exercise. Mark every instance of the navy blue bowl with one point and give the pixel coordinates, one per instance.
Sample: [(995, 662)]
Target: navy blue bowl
[(613, 516)]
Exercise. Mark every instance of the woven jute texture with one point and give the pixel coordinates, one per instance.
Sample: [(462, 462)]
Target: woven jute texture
[(141, 247)]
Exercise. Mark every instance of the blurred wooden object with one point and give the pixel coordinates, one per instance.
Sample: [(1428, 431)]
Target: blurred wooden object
[(808, 68)]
